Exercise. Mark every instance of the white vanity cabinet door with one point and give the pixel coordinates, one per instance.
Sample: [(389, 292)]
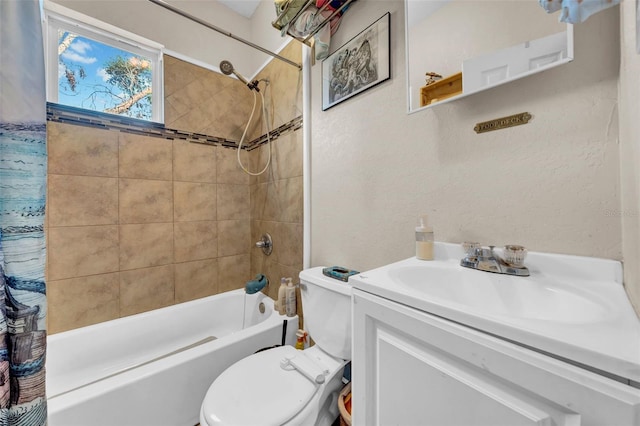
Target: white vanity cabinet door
[(411, 368)]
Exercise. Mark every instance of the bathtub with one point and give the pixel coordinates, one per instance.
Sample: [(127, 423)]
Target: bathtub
[(155, 368)]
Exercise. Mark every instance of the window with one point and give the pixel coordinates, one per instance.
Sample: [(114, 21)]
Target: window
[(96, 66)]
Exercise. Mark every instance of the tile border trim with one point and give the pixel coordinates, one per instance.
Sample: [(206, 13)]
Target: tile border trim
[(94, 119)]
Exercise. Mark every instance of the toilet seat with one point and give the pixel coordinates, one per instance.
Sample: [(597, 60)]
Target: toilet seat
[(260, 389)]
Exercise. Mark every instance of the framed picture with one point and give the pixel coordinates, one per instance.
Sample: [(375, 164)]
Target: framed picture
[(360, 64)]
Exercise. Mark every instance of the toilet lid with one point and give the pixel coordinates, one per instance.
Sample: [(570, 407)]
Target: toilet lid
[(257, 391)]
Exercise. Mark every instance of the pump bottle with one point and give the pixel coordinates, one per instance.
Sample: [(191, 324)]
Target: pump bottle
[(282, 296), (424, 239), (290, 298)]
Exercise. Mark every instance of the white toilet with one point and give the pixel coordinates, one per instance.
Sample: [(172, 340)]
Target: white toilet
[(285, 386)]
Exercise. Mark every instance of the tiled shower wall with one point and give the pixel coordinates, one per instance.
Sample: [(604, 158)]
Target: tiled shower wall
[(136, 222), (276, 195)]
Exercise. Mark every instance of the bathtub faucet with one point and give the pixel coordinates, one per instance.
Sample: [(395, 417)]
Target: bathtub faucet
[(256, 285)]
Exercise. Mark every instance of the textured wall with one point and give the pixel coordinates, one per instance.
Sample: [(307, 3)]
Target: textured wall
[(548, 185), (137, 223), (630, 151)]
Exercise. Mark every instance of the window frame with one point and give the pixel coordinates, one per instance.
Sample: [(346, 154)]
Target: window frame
[(57, 17)]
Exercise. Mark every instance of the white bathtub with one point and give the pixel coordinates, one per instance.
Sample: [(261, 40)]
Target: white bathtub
[(154, 369)]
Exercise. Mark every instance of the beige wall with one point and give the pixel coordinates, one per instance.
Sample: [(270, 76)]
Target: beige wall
[(548, 185), (629, 93), (136, 222)]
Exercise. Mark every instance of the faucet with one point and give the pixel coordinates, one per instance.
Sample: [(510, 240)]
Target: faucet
[(256, 285), (484, 259)]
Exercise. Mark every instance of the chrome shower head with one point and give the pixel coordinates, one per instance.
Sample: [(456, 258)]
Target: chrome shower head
[(227, 69)]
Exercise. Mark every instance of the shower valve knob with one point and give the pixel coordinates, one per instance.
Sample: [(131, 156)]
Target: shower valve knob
[(266, 244)]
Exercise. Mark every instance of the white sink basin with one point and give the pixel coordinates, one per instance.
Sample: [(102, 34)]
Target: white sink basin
[(573, 307), (537, 297)]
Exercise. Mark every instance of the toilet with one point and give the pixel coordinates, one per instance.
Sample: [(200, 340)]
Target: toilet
[(285, 386)]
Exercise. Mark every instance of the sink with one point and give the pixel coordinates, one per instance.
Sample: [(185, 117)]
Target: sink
[(572, 307), (535, 298)]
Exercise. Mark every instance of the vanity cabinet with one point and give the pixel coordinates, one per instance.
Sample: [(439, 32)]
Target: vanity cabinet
[(414, 368)]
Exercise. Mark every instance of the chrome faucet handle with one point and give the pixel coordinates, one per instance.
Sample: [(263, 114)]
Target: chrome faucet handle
[(265, 243), (515, 255), (484, 253), (469, 248)]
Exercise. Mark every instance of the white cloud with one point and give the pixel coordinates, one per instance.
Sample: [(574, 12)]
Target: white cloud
[(80, 46), (102, 74), (74, 57)]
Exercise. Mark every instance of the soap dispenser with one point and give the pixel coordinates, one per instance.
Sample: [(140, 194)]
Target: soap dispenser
[(424, 239), (290, 307), (282, 296)]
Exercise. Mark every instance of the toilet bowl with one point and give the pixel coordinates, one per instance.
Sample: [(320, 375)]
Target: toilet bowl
[(285, 386)]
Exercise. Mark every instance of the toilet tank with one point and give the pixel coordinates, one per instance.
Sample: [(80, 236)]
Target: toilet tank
[(326, 307)]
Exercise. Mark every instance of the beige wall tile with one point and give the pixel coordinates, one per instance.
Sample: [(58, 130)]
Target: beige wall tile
[(258, 159), (175, 106), (271, 207), (228, 169), (233, 272), (83, 250), (286, 84), (287, 245), (233, 202), (77, 150), (289, 195), (194, 162), (196, 92), (194, 120), (177, 73), (146, 289), (283, 201), (145, 201), (289, 250), (82, 200), (286, 157), (196, 279), (231, 109), (195, 240), (79, 302), (194, 201), (145, 245), (145, 157), (258, 199), (233, 237)]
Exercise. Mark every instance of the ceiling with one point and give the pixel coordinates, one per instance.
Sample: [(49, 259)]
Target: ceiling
[(245, 8)]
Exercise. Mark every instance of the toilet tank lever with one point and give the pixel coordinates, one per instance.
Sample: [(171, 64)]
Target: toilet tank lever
[(305, 366)]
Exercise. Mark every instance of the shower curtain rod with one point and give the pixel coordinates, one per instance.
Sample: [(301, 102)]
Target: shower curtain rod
[(223, 32)]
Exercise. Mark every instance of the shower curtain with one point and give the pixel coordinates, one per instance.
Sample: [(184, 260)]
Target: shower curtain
[(23, 164)]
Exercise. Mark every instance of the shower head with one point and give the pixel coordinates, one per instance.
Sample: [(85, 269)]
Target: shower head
[(227, 69)]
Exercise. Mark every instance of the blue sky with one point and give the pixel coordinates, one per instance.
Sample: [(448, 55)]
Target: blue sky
[(91, 56)]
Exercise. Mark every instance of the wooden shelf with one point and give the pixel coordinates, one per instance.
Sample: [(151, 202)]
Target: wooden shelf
[(440, 90)]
